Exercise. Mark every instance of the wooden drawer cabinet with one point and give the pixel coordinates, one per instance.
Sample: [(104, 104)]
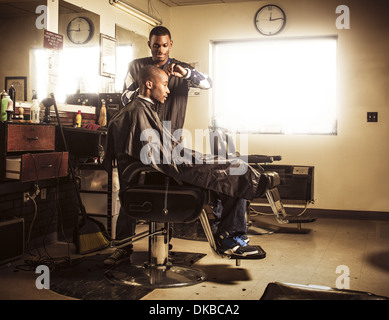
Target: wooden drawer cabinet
[(37, 166), (27, 152), (26, 138)]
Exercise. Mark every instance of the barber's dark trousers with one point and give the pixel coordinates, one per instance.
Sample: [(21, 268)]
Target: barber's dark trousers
[(125, 226)]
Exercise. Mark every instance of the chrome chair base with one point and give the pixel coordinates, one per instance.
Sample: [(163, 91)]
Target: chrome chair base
[(156, 277)]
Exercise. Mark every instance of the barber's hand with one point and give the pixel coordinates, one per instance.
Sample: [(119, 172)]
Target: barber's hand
[(175, 70)]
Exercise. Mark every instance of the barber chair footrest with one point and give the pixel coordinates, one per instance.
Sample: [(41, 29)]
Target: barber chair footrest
[(260, 255), (297, 219)]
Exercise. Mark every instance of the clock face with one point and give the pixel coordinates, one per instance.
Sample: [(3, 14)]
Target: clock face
[(80, 30), (270, 20)]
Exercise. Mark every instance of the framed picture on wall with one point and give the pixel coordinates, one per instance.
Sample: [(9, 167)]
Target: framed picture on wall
[(20, 85), (107, 56)]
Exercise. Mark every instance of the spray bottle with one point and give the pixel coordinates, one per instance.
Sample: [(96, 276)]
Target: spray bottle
[(35, 109), (78, 119), (12, 95), (103, 114), (4, 106)]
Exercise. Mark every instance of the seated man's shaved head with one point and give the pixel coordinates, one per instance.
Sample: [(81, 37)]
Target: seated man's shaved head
[(153, 83), (149, 73)]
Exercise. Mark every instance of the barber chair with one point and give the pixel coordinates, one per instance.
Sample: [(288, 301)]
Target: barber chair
[(161, 200), (223, 144)]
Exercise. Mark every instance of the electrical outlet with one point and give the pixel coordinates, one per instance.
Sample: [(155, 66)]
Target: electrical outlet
[(26, 196), (43, 193), (372, 117)]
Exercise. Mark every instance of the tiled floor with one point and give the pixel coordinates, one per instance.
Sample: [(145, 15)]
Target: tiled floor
[(361, 246)]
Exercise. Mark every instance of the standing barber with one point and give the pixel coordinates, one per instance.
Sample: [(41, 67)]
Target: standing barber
[(181, 77)]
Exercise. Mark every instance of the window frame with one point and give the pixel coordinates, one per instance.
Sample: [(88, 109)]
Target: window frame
[(213, 66)]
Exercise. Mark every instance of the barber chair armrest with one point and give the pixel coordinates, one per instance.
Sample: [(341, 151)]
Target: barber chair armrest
[(259, 158), (273, 179)]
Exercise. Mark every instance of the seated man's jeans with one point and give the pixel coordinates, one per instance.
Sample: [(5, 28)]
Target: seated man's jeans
[(230, 215)]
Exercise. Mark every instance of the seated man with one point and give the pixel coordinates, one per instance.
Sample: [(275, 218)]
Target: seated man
[(137, 134)]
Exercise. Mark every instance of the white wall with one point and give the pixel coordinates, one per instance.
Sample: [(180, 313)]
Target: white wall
[(351, 170)]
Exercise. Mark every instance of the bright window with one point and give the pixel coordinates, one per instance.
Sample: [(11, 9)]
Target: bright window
[(75, 69), (78, 70), (285, 86), (68, 70)]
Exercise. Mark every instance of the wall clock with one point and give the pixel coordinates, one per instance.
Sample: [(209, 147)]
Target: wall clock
[(270, 20), (80, 30)]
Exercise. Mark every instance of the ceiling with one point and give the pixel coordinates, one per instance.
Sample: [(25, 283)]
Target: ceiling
[(27, 7), (177, 3)]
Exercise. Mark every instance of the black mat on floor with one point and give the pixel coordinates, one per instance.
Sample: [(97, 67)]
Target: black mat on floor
[(85, 277)]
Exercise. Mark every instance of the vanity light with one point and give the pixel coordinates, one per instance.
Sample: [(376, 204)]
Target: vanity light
[(135, 12)]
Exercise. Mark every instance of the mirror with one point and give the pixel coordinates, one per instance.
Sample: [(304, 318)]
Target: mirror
[(22, 47), (21, 35), (130, 45), (138, 42)]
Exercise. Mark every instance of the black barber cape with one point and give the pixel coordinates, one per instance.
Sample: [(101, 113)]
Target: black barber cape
[(136, 133)]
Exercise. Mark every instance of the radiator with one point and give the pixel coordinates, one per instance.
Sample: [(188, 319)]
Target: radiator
[(297, 182)]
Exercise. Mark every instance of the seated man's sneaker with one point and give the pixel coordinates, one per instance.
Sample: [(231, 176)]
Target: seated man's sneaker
[(119, 256), (233, 244), (244, 238)]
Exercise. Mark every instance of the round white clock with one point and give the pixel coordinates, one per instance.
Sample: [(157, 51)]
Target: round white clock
[(270, 20), (80, 30)]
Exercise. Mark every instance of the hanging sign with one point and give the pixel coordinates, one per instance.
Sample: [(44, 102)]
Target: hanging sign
[(52, 40)]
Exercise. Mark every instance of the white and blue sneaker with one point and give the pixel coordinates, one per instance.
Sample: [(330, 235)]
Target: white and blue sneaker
[(233, 244), (244, 238)]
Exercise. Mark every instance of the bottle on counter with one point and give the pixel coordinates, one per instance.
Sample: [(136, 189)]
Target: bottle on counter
[(78, 119), (35, 110), (21, 113), (4, 106), (12, 96), (10, 109), (44, 114), (103, 114)]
